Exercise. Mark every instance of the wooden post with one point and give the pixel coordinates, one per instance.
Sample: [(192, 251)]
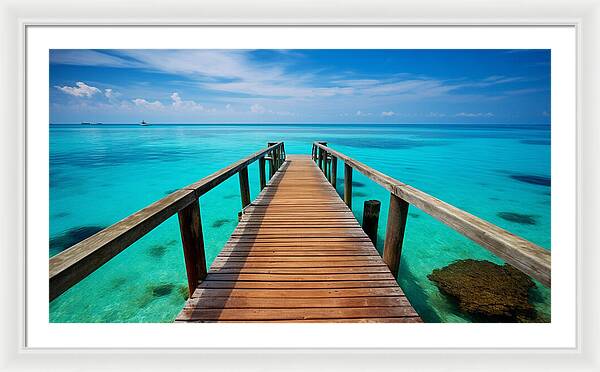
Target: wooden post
[(371, 219), (325, 163), (272, 160), (320, 150), (321, 153), (394, 234), (333, 171), (244, 187), (190, 227), (271, 167), (348, 185), (262, 174)]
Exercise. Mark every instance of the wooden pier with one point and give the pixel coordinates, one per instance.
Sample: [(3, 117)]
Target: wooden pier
[(298, 254)]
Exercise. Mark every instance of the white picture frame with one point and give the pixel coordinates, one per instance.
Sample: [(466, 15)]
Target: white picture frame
[(584, 17)]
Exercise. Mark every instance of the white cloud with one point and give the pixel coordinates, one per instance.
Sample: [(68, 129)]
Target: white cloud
[(80, 90), (149, 105), (474, 114), (108, 93), (362, 113), (388, 113), (180, 104), (258, 109)]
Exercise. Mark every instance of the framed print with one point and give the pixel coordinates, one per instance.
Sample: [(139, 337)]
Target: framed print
[(273, 187)]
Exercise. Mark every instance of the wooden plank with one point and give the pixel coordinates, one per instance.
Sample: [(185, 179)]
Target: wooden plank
[(289, 285), (526, 256), (229, 302), (200, 314), (299, 293)]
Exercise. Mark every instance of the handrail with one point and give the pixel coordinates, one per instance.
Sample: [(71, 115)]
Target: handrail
[(524, 255), (78, 261)]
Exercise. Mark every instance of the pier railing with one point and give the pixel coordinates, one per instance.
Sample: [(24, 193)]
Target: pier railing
[(524, 255), (77, 262)]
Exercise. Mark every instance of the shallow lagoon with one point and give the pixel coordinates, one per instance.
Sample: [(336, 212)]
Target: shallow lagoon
[(100, 174)]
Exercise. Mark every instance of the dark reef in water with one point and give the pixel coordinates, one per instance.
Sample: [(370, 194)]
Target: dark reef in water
[(61, 214), (486, 291), (358, 184), (524, 219), (157, 291), (231, 196), (71, 237), (359, 194), (534, 180), (161, 290), (221, 222), (415, 215), (157, 250)]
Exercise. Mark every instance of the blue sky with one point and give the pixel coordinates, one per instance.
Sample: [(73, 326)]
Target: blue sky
[(300, 86)]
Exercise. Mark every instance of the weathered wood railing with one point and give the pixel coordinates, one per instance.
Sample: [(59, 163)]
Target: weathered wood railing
[(77, 262), (529, 258)]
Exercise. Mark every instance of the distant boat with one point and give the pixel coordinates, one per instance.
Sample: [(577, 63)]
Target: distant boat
[(144, 123)]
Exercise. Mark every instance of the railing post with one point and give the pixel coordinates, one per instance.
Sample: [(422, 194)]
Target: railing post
[(371, 219), (272, 165), (321, 153), (320, 157), (190, 227), (262, 174), (394, 234), (333, 177), (348, 185), (244, 187)]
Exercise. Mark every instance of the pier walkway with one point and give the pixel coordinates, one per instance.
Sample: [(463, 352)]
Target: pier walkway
[(298, 254)]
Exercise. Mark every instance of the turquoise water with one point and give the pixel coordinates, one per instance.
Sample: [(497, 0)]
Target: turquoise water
[(101, 174)]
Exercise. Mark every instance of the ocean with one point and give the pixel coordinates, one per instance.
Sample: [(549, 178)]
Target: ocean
[(99, 174)]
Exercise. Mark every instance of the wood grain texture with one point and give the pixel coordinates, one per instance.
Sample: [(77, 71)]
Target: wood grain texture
[(394, 233), (298, 254), (190, 227), (524, 255)]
